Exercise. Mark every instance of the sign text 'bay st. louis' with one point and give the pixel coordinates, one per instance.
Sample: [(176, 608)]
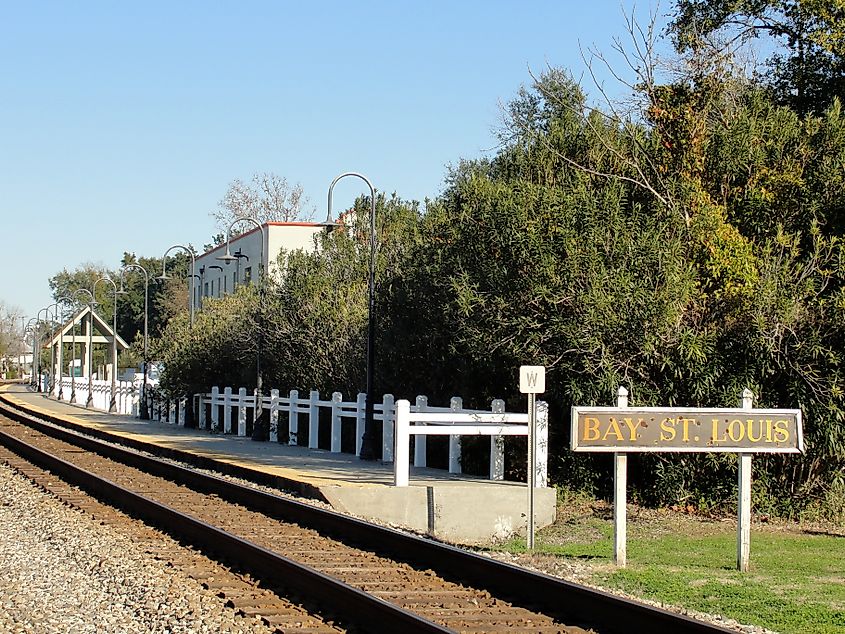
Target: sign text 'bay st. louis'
[(745, 431), (682, 429)]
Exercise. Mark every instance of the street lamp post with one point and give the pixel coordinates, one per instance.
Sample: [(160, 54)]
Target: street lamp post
[(53, 348), (46, 311), (31, 330), (143, 413), (165, 276), (52, 325), (368, 440), (113, 400), (48, 322), (189, 413), (228, 257)]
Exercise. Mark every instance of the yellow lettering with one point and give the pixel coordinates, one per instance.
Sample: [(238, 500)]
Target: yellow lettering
[(769, 430), (632, 427), (591, 428), (781, 430), (751, 437), (736, 430), (667, 430), (714, 431), (685, 422), (613, 428)]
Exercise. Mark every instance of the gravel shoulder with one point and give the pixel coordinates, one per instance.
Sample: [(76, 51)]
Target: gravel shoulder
[(61, 572)]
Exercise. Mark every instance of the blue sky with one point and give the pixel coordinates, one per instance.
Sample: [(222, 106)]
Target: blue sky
[(121, 125)]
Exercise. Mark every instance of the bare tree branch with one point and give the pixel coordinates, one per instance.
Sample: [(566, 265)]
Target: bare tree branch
[(267, 198)]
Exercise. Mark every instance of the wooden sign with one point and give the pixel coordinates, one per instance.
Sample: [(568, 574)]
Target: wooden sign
[(640, 429)]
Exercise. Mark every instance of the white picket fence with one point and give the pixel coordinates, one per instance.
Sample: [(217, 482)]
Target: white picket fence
[(228, 411), (126, 394), (424, 421)]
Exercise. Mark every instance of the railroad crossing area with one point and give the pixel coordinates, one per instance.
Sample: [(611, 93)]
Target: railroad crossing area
[(453, 507)]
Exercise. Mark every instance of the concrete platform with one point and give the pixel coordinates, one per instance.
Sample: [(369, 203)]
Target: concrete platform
[(454, 508)]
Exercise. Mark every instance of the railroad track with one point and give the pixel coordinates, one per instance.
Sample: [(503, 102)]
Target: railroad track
[(342, 573)]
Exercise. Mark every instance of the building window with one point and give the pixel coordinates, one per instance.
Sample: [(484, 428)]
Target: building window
[(248, 275), (225, 290), (234, 280), (205, 290)]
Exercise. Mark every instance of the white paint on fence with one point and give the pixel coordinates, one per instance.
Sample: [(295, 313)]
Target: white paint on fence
[(274, 415), (313, 420), (421, 442), (215, 410), (388, 418), (227, 410), (293, 418), (242, 404), (456, 404), (127, 394), (453, 421), (427, 423)]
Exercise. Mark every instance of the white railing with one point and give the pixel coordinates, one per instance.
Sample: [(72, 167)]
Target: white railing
[(292, 407), (76, 391), (216, 412), (424, 421)]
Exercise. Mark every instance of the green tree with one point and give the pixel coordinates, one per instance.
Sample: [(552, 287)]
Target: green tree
[(807, 69)]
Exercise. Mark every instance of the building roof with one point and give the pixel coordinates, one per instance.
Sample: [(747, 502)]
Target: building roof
[(101, 324)]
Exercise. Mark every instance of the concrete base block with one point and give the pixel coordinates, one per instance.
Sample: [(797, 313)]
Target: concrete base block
[(458, 513)]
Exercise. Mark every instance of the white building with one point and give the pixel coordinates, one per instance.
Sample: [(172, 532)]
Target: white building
[(217, 277)]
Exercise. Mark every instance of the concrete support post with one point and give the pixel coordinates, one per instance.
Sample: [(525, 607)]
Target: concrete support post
[(497, 446), (420, 445), (274, 415), (401, 466), (337, 399), (313, 420), (387, 406), (456, 405)]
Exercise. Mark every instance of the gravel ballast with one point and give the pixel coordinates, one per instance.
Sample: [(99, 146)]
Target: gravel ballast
[(62, 571)]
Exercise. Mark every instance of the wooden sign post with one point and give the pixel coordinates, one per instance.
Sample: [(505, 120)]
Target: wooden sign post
[(745, 431), (532, 381), (620, 495)]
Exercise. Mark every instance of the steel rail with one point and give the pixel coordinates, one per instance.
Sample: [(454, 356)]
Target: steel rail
[(352, 604), (564, 600)]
